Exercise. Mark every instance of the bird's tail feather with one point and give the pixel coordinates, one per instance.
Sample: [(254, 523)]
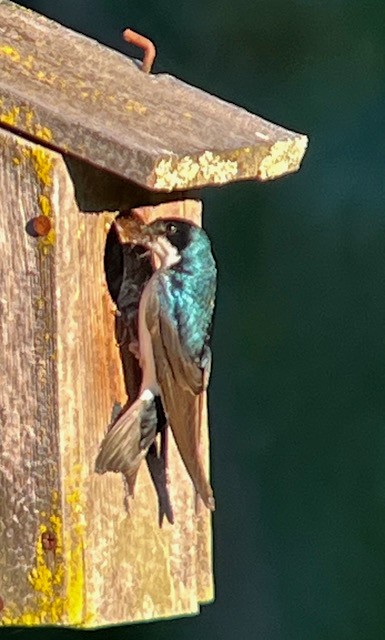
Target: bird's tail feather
[(184, 412), (122, 449), (157, 466)]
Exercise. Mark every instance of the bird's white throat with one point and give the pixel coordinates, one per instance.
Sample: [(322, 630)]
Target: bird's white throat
[(165, 254)]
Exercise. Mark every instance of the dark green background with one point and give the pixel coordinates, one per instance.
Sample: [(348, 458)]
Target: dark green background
[(297, 394)]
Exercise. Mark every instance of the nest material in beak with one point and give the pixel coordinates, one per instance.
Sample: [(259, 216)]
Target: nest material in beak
[(132, 230)]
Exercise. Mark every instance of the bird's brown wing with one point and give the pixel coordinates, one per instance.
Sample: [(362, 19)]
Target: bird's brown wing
[(182, 380)]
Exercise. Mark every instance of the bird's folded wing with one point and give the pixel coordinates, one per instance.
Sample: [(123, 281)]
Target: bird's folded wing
[(181, 380), (191, 373)]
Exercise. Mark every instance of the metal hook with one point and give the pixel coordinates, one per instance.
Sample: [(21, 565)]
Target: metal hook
[(143, 43)]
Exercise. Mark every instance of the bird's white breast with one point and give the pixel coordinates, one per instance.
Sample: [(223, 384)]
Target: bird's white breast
[(146, 354), (167, 256), (166, 253)]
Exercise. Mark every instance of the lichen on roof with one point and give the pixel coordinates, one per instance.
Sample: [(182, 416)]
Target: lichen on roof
[(154, 130)]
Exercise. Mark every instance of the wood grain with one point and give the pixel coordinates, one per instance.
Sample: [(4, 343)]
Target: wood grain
[(61, 376), (30, 488), (90, 101)]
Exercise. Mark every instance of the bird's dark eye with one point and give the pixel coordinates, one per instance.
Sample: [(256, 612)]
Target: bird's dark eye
[(171, 229)]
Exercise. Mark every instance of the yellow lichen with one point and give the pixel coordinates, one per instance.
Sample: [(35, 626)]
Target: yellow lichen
[(58, 583), (46, 78), (9, 51), (43, 133), (10, 117), (134, 105), (45, 205), (46, 581), (40, 303), (48, 241), (42, 160), (282, 157), (43, 164), (27, 63), (209, 167), (75, 577), (25, 118), (263, 162)]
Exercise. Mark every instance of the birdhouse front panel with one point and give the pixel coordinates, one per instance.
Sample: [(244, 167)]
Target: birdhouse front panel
[(76, 549)]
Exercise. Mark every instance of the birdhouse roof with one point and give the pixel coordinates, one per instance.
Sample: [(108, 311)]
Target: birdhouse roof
[(82, 98)]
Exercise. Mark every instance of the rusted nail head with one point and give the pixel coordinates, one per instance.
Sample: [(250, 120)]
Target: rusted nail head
[(48, 541), (41, 225), (148, 48)]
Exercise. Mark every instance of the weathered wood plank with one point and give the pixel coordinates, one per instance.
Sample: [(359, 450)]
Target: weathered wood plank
[(60, 377), (30, 492), (79, 96)]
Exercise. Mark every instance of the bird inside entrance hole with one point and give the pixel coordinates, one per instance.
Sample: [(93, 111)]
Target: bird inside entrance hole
[(162, 277)]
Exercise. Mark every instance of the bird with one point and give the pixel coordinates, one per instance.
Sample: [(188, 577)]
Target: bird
[(174, 324), (127, 270)]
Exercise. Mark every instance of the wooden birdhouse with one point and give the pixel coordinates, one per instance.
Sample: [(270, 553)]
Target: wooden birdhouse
[(85, 134)]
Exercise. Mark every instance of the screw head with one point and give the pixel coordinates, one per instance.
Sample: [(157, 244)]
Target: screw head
[(48, 541), (38, 226), (41, 225)]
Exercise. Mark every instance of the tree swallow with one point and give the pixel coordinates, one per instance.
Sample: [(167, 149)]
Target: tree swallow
[(174, 323)]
